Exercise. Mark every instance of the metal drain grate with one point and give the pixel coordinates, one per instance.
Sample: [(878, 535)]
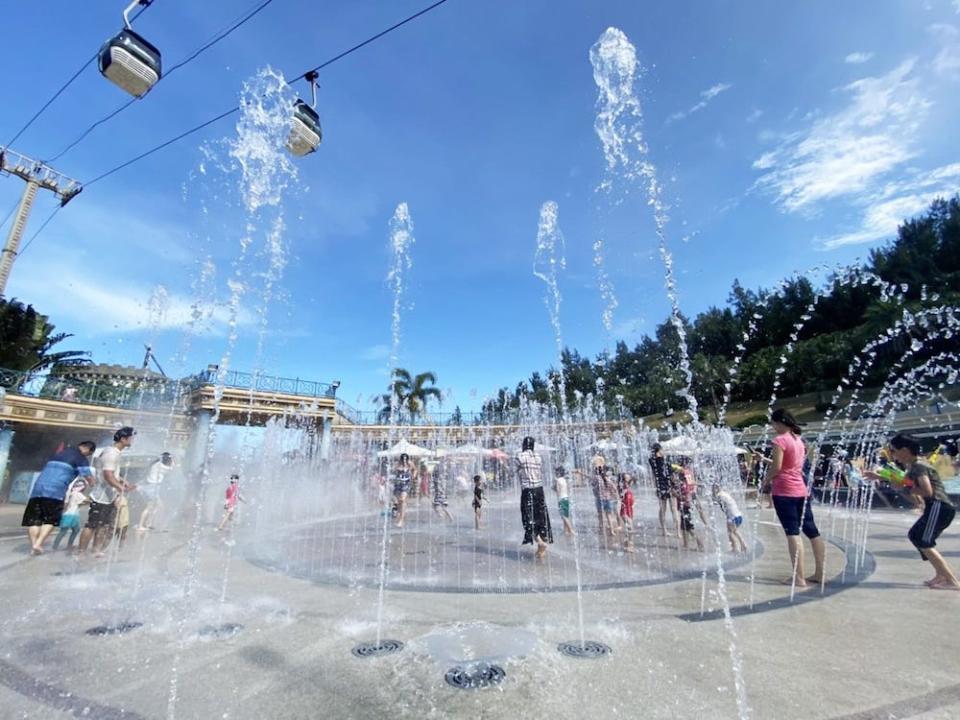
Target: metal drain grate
[(372, 649), (475, 677), (220, 631), (118, 629), (589, 649)]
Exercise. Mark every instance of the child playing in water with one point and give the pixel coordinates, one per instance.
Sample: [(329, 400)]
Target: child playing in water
[(563, 498), (232, 497), (685, 502), (123, 520), (70, 520), (734, 519), (609, 496), (477, 500), (440, 496), (626, 511)]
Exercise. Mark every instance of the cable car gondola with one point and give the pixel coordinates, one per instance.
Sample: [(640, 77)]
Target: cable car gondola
[(128, 60), (305, 133)]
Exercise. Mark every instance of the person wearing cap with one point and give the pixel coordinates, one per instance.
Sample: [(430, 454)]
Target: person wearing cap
[(790, 496), (108, 486)]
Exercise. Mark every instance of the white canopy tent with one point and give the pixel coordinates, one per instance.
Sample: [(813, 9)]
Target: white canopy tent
[(607, 444), (685, 446), (465, 451), (404, 447)]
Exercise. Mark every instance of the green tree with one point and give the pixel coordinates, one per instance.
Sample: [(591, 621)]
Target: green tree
[(27, 340), (410, 393)]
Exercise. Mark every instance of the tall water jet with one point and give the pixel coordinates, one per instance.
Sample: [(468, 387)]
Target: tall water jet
[(264, 174), (619, 125), (608, 293), (548, 261), (401, 241)]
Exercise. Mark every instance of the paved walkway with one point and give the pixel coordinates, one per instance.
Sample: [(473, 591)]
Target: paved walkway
[(872, 643)]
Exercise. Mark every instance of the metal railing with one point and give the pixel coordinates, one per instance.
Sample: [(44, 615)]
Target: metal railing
[(119, 393), (264, 383)]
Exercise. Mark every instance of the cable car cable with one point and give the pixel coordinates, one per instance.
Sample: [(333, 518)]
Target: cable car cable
[(151, 151), (232, 110), (39, 230), (63, 87), (199, 51), (9, 213), (367, 41)]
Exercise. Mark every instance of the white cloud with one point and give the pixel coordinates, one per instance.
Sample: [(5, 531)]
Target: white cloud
[(858, 58), (947, 61), (711, 92), (755, 115), (846, 153), (96, 303), (895, 202), (705, 97)]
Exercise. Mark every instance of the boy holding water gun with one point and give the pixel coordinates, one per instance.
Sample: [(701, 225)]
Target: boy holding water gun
[(938, 511)]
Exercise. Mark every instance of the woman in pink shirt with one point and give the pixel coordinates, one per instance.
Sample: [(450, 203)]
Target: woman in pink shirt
[(790, 496)]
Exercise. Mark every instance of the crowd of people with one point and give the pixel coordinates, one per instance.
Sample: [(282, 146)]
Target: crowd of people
[(784, 476), (78, 477), (81, 477)]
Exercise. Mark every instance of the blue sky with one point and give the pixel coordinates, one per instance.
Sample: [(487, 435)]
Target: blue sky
[(786, 137)]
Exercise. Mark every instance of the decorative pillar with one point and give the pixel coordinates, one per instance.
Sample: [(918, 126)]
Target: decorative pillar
[(6, 440), (325, 438), (197, 446)]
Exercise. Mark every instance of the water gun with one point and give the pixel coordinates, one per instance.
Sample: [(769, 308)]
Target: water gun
[(894, 476)]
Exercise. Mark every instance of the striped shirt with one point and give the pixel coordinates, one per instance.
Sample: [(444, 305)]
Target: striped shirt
[(530, 469)]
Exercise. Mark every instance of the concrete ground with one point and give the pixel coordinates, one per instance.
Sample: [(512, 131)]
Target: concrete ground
[(871, 643)]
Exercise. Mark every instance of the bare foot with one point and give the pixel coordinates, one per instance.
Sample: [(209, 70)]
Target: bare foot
[(789, 581), (815, 580), (943, 584), (36, 551)]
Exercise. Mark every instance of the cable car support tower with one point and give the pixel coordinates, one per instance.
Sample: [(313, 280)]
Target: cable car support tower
[(37, 176)]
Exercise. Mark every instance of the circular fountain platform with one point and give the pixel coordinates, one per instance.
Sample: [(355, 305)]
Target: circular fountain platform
[(431, 554)]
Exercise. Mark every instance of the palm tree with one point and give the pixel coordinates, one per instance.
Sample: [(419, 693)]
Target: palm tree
[(27, 338), (410, 392)]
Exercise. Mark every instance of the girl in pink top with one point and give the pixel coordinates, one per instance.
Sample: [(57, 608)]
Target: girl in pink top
[(231, 498), (785, 475)]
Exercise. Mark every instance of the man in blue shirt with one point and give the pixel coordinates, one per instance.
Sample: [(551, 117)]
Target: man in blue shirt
[(45, 506)]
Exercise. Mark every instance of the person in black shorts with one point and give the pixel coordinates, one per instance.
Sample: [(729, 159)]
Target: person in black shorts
[(938, 511), (661, 480), (477, 500), (101, 520), (45, 506)]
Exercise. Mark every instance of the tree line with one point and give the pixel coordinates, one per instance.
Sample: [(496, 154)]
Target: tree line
[(743, 342)]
